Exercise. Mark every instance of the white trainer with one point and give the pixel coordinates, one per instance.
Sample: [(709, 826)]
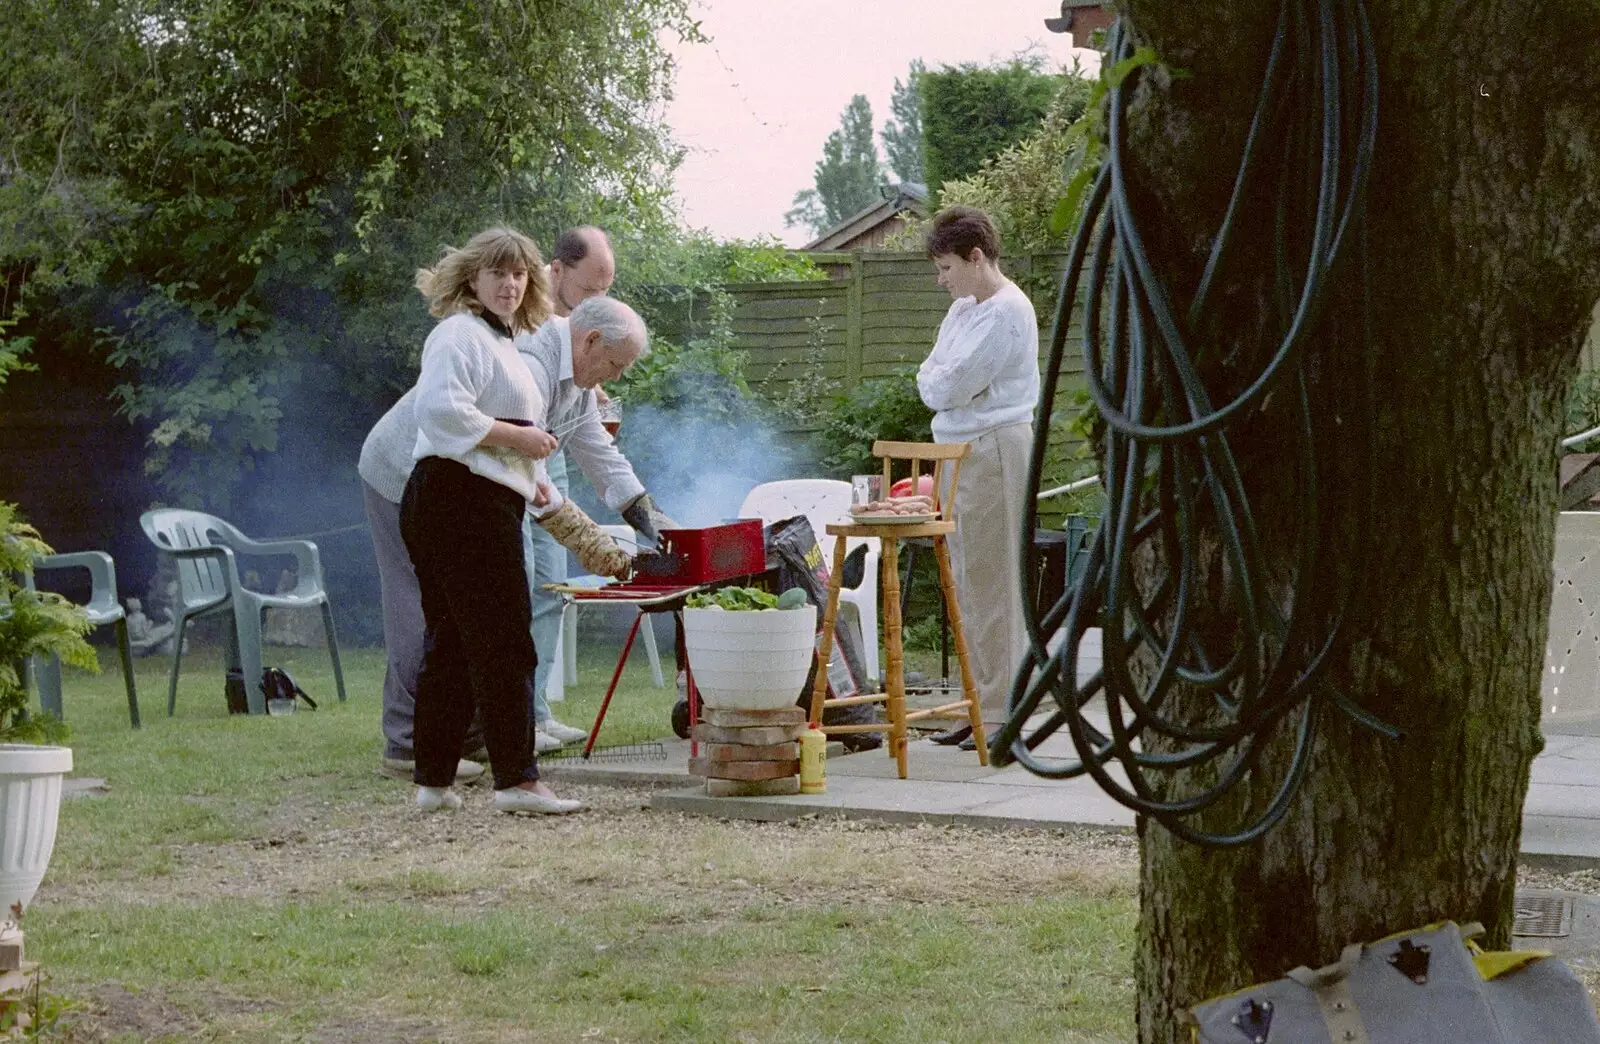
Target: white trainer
[(544, 742), (434, 799), (561, 731), (518, 800)]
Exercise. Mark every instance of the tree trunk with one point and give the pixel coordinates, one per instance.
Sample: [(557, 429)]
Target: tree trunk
[(1484, 238)]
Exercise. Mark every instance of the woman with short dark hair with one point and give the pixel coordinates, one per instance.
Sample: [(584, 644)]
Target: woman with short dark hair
[(982, 382)]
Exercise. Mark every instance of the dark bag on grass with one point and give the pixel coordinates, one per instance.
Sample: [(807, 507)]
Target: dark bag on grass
[(793, 545), (276, 684)]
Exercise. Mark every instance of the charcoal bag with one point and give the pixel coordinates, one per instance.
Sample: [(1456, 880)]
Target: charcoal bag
[(792, 544), (276, 684)]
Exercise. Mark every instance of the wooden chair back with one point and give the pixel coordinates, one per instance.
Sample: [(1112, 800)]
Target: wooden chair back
[(942, 458)]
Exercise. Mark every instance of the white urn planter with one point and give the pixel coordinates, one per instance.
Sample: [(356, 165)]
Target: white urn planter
[(750, 659), (30, 800)]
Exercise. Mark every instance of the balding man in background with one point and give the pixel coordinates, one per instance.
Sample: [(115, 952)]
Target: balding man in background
[(581, 267)]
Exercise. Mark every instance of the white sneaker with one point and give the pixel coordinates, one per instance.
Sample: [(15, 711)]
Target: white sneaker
[(434, 799), (544, 742), (518, 800), (564, 733)]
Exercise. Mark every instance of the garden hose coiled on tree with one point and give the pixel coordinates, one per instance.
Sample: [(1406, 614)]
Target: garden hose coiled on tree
[(1172, 483)]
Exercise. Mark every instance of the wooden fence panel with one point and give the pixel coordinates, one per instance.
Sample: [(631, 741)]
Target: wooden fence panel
[(879, 318)]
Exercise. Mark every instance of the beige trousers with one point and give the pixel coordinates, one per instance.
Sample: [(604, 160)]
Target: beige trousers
[(984, 551)]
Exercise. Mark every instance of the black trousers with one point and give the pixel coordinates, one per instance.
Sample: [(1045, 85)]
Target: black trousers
[(464, 535)]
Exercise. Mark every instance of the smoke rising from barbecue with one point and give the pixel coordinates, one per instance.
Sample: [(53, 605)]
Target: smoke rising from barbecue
[(698, 468), (335, 379)]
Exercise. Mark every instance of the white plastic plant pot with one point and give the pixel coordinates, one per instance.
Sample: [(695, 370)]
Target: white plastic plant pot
[(750, 659), (30, 801)]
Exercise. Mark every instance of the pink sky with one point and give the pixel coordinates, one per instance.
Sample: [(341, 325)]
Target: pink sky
[(755, 105)]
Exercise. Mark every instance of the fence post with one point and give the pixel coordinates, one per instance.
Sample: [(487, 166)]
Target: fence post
[(853, 350)]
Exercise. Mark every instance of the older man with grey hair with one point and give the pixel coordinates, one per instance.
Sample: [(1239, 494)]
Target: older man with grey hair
[(569, 359)]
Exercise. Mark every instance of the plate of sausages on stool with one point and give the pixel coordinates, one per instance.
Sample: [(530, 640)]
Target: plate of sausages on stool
[(896, 511)]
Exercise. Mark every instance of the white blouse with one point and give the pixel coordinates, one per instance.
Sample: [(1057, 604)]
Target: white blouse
[(983, 372)]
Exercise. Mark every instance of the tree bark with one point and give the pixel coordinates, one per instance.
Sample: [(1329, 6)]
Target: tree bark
[(1484, 209)]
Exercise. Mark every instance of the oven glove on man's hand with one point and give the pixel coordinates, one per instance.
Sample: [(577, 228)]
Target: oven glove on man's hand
[(579, 533), (647, 520)]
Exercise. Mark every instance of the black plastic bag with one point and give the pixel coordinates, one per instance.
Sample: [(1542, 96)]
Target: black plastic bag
[(793, 546), (275, 685)]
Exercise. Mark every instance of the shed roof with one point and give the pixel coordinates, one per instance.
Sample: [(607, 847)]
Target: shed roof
[(897, 200)]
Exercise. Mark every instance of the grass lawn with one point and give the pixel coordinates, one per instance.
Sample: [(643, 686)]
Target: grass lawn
[(255, 879)]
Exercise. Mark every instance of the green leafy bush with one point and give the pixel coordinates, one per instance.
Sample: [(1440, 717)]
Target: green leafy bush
[(923, 633), (228, 201), (1583, 405), (1020, 187), (880, 408), (32, 623), (671, 276)]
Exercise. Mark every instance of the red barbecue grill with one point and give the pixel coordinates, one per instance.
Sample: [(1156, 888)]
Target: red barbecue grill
[(689, 561)]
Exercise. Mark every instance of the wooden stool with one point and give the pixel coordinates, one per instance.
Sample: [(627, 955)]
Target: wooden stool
[(891, 533)]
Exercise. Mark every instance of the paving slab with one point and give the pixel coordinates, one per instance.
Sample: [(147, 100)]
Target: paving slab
[(1561, 817), (1090, 806), (893, 801), (671, 769), (1561, 770), (1561, 800), (946, 786), (928, 761), (84, 786), (1562, 843)]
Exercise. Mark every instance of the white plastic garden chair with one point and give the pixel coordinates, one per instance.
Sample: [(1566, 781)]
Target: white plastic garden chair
[(555, 684), (101, 609), (566, 670), (823, 501)]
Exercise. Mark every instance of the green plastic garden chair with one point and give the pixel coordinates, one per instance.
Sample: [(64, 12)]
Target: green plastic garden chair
[(102, 608), (205, 550)]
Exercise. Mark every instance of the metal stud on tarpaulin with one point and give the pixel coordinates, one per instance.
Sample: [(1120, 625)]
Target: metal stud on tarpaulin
[(1254, 1020), (1411, 960)]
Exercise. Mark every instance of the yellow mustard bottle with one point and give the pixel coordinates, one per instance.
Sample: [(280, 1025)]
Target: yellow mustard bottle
[(813, 760)]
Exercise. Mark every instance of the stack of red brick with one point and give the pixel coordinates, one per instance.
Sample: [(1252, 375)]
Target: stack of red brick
[(749, 753)]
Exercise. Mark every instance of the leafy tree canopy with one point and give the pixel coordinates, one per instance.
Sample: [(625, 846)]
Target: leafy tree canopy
[(228, 199), (847, 176), (971, 114), (1021, 188), (902, 134)]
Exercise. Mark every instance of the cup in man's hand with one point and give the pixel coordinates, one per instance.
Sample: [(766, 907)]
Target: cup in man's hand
[(611, 416)]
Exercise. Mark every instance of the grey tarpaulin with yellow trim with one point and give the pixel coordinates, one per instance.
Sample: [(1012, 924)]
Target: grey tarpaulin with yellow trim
[(1430, 986)]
